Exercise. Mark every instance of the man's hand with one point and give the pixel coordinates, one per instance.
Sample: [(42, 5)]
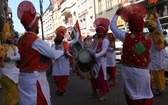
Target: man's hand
[(118, 11), (154, 12)]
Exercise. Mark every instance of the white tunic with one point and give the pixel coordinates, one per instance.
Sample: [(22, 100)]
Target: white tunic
[(100, 60), (61, 66), (136, 81), (111, 56), (10, 69), (27, 81), (157, 57)]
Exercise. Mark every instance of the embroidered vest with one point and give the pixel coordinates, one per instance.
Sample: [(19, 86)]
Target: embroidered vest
[(158, 40), (136, 50), (111, 40), (99, 46), (31, 59)]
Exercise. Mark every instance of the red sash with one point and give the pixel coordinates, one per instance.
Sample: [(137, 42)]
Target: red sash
[(99, 46)]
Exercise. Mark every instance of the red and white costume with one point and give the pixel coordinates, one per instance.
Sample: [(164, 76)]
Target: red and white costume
[(35, 56), (135, 59), (99, 50), (61, 66)]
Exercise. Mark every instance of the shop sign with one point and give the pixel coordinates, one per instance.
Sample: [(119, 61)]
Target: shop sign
[(152, 1)]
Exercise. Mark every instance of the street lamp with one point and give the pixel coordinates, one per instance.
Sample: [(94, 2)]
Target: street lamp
[(41, 12), (51, 7)]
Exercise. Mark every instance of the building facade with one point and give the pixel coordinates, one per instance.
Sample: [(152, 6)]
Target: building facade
[(6, 13), (66, 13)]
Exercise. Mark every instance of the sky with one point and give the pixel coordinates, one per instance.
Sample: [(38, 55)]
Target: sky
[(13, 4)]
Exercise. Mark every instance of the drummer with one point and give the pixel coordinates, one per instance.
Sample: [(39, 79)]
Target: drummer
[(99, 50)]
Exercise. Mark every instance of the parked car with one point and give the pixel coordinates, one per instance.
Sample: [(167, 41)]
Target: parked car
[(119, 46)]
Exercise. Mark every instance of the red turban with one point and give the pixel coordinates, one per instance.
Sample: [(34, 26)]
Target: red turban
[(134, 14), (61, 31), (135, 23), (101, 25), (29, 21), (27, 15)]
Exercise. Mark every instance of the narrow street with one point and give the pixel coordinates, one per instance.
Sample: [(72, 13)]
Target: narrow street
[(78, 90)]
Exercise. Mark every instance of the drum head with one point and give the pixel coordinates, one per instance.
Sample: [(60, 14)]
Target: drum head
[(84, 56)]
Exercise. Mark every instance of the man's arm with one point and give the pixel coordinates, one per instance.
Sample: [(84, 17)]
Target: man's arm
[(46, 50)]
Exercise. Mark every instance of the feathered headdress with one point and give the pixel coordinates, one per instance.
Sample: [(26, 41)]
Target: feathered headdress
[(27, 14), (61, 31), (101, 25), (134, 14)]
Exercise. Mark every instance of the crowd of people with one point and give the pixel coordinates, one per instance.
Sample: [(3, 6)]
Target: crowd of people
[(143, 59)]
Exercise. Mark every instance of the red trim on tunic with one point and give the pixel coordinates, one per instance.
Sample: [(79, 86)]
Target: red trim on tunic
[(99, 46)]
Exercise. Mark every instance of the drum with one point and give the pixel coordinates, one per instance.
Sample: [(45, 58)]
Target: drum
[(85, 61)]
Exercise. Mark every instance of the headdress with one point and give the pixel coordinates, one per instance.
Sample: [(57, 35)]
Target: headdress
[(101, 25), (61, 31), (27, 14), (152, 20), (134, 14), (6, 32)]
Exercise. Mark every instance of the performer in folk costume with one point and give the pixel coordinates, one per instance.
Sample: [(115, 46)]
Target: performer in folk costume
[(35, 57), (157, 53), (10, 73), (61, 66), (99, 50), (2, 22), (111, 63), (135, 56)]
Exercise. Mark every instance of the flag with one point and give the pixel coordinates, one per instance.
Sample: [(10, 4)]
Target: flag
[(78, 45)]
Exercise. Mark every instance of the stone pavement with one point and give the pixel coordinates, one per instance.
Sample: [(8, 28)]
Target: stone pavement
[(78, 90)]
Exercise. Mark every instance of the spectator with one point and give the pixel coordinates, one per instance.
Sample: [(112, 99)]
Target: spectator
[(157, 53)]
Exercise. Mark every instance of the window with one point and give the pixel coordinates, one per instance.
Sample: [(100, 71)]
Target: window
[(119, 1), (99, 6), (84, 23), (108, 4)]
